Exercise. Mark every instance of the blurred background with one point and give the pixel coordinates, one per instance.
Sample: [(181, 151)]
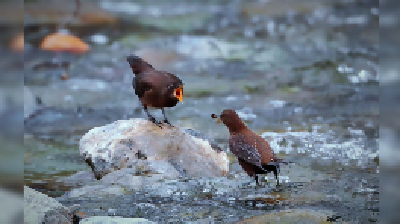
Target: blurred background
[(303, 74)]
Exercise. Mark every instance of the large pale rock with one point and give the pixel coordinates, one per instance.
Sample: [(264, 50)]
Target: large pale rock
[(140, 144)]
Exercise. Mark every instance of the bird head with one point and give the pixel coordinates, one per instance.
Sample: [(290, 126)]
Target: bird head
[(230, 119), (216, 116)]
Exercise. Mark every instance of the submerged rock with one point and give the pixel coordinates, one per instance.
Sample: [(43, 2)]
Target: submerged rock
[(145, 147)]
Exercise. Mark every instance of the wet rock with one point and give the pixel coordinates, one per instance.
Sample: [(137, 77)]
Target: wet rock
[(113, 219), (212, 142), (95, 191), (39, 208), (293, 216), (126, 143)]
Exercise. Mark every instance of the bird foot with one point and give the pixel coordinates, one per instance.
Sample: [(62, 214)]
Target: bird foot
[(259, 185), (167, 122), (158, 123)]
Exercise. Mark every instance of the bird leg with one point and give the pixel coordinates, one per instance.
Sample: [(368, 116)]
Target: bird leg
[(257, 182), (151, 118), (165, 118), (276, 175)]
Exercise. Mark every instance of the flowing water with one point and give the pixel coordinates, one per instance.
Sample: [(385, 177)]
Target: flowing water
[(302, 74)]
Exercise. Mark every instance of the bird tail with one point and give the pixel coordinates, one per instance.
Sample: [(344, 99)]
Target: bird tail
[(137, 64)]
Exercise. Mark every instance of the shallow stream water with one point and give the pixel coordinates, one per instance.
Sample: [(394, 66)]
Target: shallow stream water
[(302, 75)]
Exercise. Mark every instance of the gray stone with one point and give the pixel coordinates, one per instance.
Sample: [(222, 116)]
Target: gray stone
[(39, 208)]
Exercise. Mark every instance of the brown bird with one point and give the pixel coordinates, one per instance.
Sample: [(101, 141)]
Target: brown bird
[(155, 88), (253, 152)]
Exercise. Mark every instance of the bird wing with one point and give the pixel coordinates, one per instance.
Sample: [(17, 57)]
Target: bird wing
[(142, 84), (241, 149)]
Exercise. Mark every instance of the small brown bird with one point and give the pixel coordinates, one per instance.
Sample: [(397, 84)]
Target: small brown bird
[(154, 88), (253, 152)]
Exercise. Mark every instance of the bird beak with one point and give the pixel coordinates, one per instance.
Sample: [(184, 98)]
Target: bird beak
[(216, 116), (178, 93), (64, 77)]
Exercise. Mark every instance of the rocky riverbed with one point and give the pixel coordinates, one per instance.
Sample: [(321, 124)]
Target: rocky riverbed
[(302, 74)]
